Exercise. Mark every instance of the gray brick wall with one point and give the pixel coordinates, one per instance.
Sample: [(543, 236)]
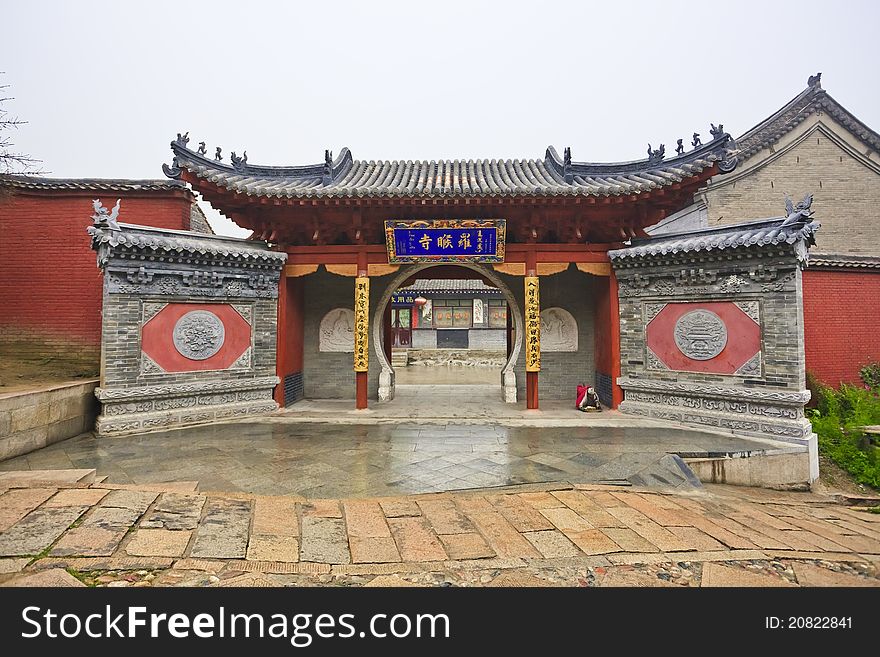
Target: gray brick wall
[(135, 393), (562, 372), (764, 400)]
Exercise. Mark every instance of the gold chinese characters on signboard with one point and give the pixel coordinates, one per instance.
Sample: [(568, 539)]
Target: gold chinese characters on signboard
[(533, 325), (361, 324)]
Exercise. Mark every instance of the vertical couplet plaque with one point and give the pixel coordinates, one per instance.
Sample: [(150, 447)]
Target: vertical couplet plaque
[(533, 325), (361, 324)]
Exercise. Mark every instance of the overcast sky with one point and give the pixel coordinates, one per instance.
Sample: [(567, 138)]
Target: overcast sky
[(105, 86)]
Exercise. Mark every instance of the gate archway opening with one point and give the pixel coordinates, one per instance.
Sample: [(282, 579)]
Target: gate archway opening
[(381, 335)]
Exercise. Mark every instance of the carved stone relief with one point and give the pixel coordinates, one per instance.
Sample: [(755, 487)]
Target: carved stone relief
[(700, 334), (199, 334), (336, 332), (559, 330)]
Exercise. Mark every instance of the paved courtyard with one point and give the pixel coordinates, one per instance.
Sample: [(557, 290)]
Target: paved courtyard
[(65, 534), (279, 456)]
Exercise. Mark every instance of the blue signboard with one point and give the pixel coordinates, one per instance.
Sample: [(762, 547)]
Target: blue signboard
[(447, 240), (403, 299)]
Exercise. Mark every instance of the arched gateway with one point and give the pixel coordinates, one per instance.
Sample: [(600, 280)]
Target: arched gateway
[(703, 327), (539, 229)]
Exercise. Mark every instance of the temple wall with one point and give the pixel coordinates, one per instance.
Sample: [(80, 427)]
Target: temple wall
[(189, 328), (716, 339), (50, 291), (846, 190)]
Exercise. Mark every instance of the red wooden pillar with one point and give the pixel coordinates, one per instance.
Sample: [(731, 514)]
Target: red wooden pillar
[(614, 335), (531, 377), (361, 378), (289, 345)]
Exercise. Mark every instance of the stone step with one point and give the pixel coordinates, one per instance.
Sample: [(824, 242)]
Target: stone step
[(69, 477), (399, 357)]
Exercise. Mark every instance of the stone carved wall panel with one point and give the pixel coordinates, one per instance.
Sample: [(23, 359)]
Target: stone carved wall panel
[(336, 331), (559, 331)]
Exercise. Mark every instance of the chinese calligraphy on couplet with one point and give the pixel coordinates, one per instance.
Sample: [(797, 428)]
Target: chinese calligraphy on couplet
[(361, 324), (533, 325)]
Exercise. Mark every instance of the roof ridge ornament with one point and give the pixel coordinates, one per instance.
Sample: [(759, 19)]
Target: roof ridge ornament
[(104, 218), (815, 81), (800, 213), (174, 170), (716, 131), (238, 163), (679, 147), (203, 148), (182, 139), (218, 154), (566, 165), (656, 156), (696, 142), (327, 176)]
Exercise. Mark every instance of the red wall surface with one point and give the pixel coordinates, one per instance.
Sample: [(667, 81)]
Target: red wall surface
[(50, 286), (841, 323)]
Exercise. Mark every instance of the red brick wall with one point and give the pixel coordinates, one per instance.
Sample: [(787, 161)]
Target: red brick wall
[(50, 287), (841, 323)]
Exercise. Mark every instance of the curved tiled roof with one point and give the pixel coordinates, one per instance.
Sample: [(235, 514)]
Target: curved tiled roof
[(164, 242), (449, 285), (346, 177), (766, 232), (91, 184), (813, 99), (844, 261)]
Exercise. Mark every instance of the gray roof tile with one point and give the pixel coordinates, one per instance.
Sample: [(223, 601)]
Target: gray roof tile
[(761, 233), (346, 177)]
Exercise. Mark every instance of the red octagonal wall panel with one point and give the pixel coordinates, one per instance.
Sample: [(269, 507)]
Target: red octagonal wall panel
[(743, 338), (157, 338)]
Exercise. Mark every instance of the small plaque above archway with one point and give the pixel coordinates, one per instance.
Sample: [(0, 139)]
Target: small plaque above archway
[(336, 332), (559, 330)]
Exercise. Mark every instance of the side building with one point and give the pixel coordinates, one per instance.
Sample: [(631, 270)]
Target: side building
[(813, 145)]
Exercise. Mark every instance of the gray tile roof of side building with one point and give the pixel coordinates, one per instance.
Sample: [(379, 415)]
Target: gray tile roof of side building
[(91, 184), (814, 99), (346, 177), (844, 261), (766, 232), (450, 285)]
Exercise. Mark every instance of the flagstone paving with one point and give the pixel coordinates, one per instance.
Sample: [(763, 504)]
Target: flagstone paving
[(324, 460), (563, 535)]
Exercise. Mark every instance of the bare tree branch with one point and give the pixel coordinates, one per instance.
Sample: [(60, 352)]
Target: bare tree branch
[(11, 160)]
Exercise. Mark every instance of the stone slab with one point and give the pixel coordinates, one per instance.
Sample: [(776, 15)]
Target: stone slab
[(716, 574), (388, 581), (158, 543), (444, 517), (364, 519), (88, 541), (15, 504), (175, 511), (322, 509), (809, 574), (136, 500), (581, 504), (223, 532), (271, 547), (398, 508), (551, 543), (324, 540), (55, 578), (466, 546), (275, 515), (37, 530), (415, 540), (77, 497), (381, 549), (592, 541), (12, 565)]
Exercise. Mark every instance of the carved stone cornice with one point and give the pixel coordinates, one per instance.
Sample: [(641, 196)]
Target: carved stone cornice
[(180, 389), (786, 397)]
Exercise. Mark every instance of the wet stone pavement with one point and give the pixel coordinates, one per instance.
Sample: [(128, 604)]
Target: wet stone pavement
[(329, 461)]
